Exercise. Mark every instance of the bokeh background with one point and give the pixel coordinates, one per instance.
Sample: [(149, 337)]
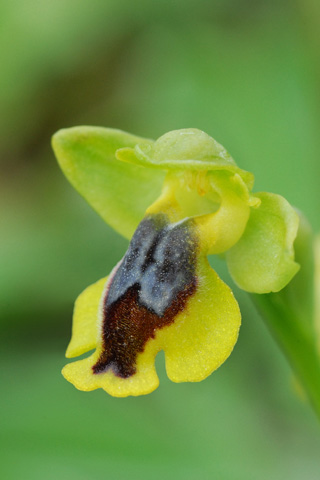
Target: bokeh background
[(246, 72)]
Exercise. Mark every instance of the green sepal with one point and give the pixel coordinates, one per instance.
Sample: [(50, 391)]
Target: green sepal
[(263, 259), (119, 192)]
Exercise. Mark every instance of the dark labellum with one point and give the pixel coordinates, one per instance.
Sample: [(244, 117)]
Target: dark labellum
[(151, 286)]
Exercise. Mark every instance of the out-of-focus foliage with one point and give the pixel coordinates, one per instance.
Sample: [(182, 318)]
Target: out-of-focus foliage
[(248, 74)]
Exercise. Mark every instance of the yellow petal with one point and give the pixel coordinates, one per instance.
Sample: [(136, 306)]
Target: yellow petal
[(220, 230), (144, 381), (163, 295), (200, 339), (203, 336), (85, 320)]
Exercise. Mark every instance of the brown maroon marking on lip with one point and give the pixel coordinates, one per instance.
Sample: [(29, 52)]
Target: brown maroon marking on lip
[(150, 287), (128, 328)]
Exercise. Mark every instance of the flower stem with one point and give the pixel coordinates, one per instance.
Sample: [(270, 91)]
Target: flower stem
[(295, 341), (317, 290), (291, 315)]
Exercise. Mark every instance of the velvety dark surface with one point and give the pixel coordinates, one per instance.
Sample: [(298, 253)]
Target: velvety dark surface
[(150, 287)]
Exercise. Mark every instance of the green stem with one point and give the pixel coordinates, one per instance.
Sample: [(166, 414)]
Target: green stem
[(317, 290), (295, 340), (292, 315)]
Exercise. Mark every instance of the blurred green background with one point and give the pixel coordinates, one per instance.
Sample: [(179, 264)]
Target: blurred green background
[(246, 72)]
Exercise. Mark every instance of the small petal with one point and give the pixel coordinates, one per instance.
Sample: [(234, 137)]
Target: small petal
[(85, 319), (263, 259), (220, 230)]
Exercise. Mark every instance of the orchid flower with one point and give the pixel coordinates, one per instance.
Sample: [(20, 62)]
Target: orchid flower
[(177, 199)]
